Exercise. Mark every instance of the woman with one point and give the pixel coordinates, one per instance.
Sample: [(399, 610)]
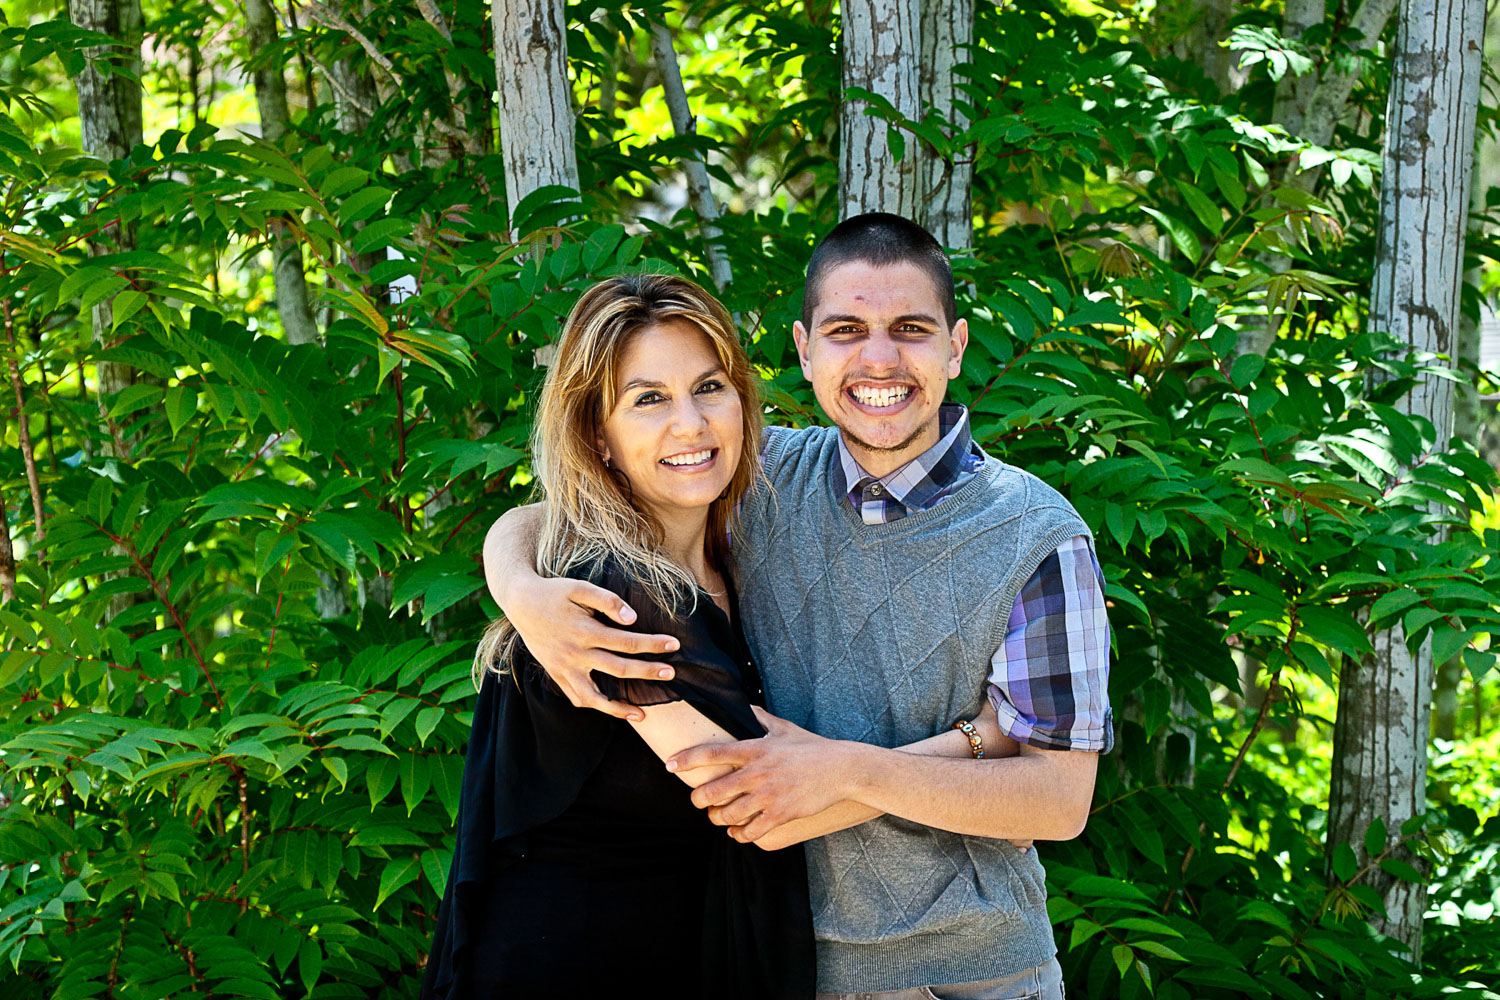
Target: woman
[(581, 863)]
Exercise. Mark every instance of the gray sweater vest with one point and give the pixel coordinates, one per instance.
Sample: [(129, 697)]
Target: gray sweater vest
[(883, 634)]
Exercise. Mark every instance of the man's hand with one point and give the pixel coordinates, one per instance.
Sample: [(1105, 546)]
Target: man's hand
[(786, 775), (555, 618)]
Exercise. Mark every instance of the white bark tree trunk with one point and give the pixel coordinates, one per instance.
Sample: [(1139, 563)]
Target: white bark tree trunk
[(1380, 735), (109, 119), (1200, 43), (944, 202), (536, 107), (1310, 106), (880, 40), (292, 302), (684, 124)]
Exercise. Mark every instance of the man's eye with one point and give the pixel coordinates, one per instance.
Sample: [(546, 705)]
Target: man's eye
[(711, 385)]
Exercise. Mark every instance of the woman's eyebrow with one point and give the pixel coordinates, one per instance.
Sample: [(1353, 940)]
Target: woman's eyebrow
[(648, 383)]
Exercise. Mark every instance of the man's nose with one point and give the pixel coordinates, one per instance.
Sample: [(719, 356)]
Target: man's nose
[(879, 351)]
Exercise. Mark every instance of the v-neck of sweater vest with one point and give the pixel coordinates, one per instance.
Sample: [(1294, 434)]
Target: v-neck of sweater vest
[(947, 507)]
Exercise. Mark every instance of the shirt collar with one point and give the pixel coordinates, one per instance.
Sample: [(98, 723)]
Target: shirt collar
[(928, 475)]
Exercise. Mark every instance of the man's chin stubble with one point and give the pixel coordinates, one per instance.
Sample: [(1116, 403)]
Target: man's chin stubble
[(867, 446)]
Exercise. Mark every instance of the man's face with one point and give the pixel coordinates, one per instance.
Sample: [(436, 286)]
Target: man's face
[(879, 357)]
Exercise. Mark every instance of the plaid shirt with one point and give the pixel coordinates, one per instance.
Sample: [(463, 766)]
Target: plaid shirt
[(1049, 680)]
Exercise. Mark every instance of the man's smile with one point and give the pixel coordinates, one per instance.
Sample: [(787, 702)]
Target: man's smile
[(879, 398)]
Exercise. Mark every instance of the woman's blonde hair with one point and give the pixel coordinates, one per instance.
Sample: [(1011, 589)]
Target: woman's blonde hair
[(588, 513)]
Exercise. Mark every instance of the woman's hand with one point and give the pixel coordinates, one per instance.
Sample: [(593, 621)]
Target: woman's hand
[(555, 619)]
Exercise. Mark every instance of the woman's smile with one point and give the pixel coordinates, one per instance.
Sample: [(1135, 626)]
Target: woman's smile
[(692, 461)]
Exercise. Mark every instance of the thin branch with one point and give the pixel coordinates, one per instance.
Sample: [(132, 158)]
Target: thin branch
[(693, 166), (28, 453)]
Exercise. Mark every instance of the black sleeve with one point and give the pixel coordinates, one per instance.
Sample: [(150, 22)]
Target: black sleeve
[(712, 670)]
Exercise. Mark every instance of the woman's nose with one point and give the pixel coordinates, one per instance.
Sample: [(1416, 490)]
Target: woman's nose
[(688, 419)]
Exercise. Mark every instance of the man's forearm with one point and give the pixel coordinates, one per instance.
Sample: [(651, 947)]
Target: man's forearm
[(510, 550), (1038, 795), (843, 815)]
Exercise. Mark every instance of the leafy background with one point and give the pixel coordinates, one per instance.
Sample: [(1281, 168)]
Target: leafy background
[(234, 691)]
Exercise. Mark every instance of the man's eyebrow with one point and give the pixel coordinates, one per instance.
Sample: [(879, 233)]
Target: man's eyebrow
[(927, 318)]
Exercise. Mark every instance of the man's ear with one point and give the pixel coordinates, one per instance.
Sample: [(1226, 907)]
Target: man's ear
[(958, 341), (804, 343)]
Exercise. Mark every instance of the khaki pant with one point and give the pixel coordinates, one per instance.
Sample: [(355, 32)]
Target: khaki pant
[(1041, 983)]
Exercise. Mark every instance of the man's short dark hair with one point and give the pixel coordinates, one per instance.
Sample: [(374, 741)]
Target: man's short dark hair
[(879, 239)]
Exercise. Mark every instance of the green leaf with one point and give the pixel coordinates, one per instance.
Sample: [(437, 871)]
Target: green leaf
[(362, 204), (1182, 236), (181, 404), (416, 779), (1083, 929), (397, 873), (342, 181), (1392, 603), (427, 721), (134, 397), (1402, 870), (309, 963), (338, 769), (1344, 863), (1246, 369), (126, 305), (358, 741), (1257, 909), (384, 835), (1100, 887), (1211, 215)]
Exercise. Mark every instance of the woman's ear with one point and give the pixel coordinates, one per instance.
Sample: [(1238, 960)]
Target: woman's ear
[(603, 449)]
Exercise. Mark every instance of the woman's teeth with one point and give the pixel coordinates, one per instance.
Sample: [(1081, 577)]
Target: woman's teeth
[(880, 397), (695, 458)]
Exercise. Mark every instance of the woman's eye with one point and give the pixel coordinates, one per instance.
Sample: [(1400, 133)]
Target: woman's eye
[(712, 385), (647, 398)]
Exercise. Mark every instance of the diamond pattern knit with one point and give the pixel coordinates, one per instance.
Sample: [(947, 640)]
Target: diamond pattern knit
[(883, 634)]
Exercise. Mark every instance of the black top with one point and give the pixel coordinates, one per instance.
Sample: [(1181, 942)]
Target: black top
[(582, 864)]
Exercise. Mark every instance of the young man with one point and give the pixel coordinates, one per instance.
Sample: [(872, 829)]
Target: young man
[(893, 580)]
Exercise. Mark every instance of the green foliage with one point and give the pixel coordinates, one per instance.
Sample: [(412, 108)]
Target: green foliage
[(235, 681)]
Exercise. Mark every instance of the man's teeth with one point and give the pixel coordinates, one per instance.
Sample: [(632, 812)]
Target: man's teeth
[(696, 458), (881, 397)]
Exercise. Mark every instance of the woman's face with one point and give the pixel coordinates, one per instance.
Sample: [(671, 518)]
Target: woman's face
[(676, 430)]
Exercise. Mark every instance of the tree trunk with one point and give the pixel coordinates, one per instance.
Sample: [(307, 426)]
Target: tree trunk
[(109, 120), (684, 124), (880, 52), (270, 97), (536, 107), (1310, 107), (947, 30), (1200, 44), (1380, 735)]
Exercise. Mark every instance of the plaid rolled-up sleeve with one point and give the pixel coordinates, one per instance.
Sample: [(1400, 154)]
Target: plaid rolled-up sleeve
[(1049, 680)]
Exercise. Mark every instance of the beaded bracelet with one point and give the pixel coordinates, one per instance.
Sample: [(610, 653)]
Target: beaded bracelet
[(976, 745)]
